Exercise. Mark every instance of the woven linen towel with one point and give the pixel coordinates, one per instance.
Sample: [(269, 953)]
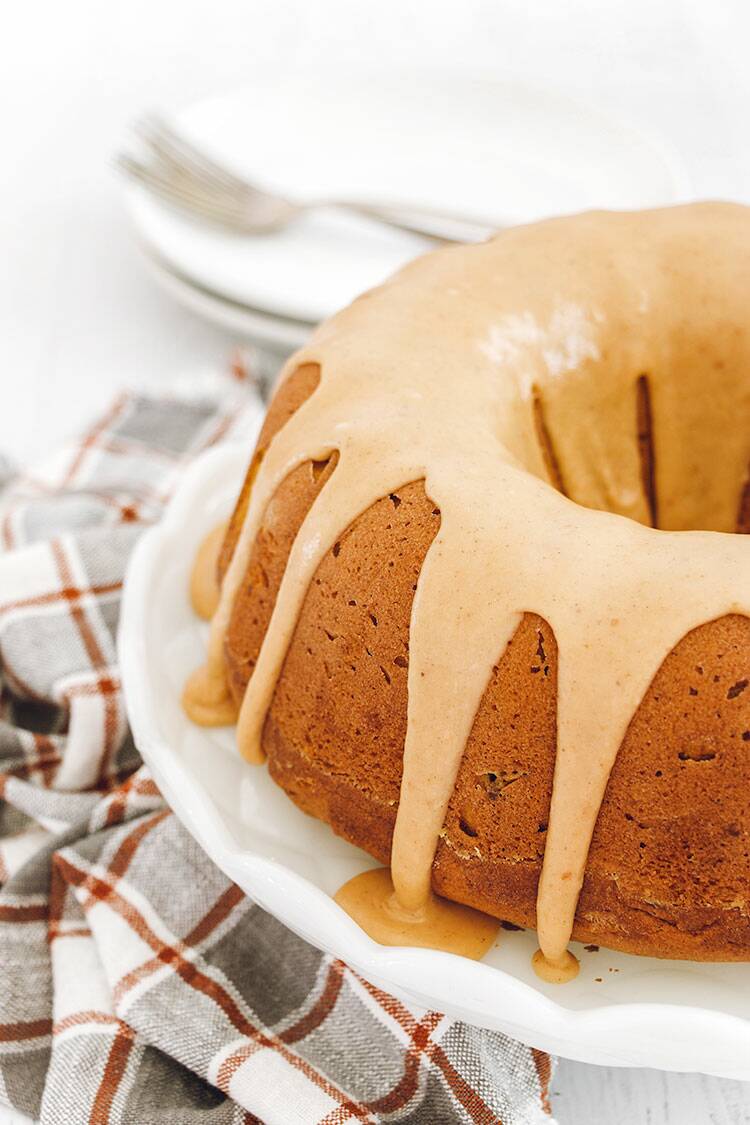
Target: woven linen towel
[(137, 984)]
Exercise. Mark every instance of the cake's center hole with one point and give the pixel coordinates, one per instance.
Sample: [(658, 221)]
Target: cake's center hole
[(658, 482)]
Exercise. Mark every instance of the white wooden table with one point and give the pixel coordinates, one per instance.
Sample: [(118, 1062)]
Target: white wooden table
[(79, 317)]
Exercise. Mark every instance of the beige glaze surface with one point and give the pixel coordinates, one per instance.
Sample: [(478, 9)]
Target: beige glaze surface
[(207, 700), (555, 972), (206, 697), (439, 375), (204, 582), (437, 924)]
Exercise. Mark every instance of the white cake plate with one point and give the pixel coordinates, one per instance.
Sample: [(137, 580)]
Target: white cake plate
[(620, 1010)]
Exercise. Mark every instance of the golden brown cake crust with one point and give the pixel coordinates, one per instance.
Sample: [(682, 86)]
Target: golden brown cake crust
[(668, 872)]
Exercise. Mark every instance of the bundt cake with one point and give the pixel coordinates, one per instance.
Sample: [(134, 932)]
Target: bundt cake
[(484, 607)]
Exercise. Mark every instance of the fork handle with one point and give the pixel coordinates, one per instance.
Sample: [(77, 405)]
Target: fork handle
[(424, 221)]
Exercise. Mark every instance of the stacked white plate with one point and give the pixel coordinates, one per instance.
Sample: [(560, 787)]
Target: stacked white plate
[(484, 149)]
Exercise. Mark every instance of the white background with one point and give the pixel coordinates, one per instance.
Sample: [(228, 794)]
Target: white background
[(79, 317)]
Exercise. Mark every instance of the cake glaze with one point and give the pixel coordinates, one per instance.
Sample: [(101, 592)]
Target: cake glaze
[(543, 386)]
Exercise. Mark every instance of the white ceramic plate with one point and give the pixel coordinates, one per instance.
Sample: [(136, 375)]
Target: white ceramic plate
[(621, 1010), (491, 149), (279, 334)]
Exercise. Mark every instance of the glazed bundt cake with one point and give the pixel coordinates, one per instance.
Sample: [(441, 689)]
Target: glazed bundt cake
[(484, 607)]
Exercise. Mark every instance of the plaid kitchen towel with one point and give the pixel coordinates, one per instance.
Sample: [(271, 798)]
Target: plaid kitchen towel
[(137, 984)]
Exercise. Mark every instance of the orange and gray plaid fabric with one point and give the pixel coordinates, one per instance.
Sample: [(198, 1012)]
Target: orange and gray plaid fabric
[(137, 984)]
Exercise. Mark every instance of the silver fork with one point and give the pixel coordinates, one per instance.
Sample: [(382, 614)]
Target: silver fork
[(187, 178)]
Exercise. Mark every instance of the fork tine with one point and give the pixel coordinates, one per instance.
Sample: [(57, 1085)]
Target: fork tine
[(191, 201), (180, 174), (182, 154), (185, 158), (182, 189)]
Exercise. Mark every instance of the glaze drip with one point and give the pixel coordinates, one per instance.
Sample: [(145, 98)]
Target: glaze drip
[(371, 900), (204, 581), (441, 375)]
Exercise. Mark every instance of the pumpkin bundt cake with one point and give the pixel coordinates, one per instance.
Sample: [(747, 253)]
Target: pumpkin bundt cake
[(484, 604)]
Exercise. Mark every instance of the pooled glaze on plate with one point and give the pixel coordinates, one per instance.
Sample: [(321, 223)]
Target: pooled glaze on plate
[(371, 900)]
